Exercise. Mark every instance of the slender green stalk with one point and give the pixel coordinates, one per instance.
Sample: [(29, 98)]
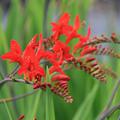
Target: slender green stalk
[(34, 107), (8, 111), (84, 109), (49, 106)]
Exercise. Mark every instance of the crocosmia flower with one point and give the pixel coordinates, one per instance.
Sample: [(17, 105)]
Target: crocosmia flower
[(54, 54)]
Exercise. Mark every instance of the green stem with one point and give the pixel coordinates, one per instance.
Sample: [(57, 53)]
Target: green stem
[(49, 106)]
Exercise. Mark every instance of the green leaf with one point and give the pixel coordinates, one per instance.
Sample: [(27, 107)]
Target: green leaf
[(49, 106), (8, 111), (34, 107), (3, 41), (84, 109)]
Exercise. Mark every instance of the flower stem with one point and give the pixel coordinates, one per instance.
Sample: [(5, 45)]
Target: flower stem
[(107, 109), (5, 80), (49, 106), (17, 97), (109, 112)]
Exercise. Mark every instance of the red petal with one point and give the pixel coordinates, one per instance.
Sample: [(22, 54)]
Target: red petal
[(40, 70), (89, 32), (77, 23), (54, 26), (29, 52), (22, 70), (64, 19), (55, 68), (12, 56), (40, 41), (77, 46), (61, 57), (8, 55), (15, 47), (33, 42)]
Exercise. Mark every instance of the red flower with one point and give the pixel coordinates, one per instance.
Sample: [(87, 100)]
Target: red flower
[(15, 52), (61, 27), (73, 33), (53, 53), (30, 66), (29, 63), (62, 50)]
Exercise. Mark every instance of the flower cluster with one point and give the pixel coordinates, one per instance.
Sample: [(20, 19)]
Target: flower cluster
[(56, 55)]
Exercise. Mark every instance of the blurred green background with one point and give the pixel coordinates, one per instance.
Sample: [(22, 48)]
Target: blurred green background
[(22, 19)]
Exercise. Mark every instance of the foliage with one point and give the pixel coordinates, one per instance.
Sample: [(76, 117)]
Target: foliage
[(90, 96)]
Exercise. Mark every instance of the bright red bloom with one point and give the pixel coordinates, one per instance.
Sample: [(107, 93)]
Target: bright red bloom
[(62, 49), (53, 53), (29, 63), (15, 52), (61, 27), (30, 66), (73, 33)]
